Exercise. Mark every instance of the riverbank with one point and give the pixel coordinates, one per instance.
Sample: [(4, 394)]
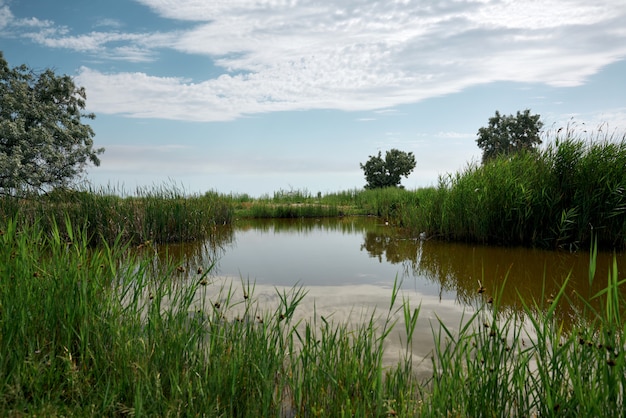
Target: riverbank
[(563, 197)]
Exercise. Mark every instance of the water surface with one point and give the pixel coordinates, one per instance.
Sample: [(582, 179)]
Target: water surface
[(363, 250), (349, 266)]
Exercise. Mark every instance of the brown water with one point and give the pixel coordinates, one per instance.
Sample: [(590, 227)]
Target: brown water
[(348, 266), (362, 250)]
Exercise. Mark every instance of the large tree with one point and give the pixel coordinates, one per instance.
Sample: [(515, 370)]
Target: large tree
[(387, 172), (509, 134), (43, 142)]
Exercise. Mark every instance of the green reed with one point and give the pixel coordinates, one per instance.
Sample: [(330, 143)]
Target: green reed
[(159, 214), (389, 203), (556, 197), (510, 364), (287, 204), (260, 209), (102, 332), (107, 332)]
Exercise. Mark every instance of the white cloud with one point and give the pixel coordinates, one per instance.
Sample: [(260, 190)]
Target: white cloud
[(9, 24), (350, 55), (111, 23), (5, 16), (134, 47), (543, 14)]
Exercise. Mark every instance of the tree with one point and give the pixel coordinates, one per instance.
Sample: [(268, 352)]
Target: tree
[(43, 143), (388, 172), (509, 134)]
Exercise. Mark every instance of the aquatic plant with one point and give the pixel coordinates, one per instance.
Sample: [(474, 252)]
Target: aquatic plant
[(105, 331), (554, 198), (159, 214)]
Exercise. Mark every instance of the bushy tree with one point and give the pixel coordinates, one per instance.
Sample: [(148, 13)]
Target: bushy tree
[(509, 134), (43, 142), (387, 172)]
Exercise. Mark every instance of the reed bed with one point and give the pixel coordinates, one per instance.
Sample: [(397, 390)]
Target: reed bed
[(159, 214), (260, 209), (286, 204), (102, 332), (107, 332), (557, 197), (388, 203)]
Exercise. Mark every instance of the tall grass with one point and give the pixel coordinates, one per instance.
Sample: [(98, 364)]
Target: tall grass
[(102, 332), (555, 198), (286, 204), (477, 372), (159, 214), (503, 364), (260, 209), (389, 203)]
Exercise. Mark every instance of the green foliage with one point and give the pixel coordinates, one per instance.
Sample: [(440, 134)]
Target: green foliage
[(388, 203), (102, 332), (43, 142), (509, 134), (158, 214), (557, 197), (388, 172), (526, 364)]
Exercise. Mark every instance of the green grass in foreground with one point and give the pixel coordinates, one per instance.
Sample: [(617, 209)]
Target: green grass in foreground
[(99, 332)]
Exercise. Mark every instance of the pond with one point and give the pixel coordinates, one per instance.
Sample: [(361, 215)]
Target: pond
[(348, 267)]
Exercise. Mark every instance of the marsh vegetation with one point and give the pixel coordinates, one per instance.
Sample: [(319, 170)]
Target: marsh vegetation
[(105, 331), (93, 322)]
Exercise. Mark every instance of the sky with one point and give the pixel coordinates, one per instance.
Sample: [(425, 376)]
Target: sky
[(260, 96)]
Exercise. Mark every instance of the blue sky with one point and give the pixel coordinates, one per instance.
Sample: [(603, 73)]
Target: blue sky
[(265, 95)]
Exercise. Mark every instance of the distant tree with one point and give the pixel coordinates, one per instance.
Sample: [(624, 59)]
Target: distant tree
[(387, 172), (509, 134), (43, 142)]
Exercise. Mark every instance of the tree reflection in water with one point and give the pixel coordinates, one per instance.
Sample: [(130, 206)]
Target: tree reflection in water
[(455, 268), (532, 274)]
